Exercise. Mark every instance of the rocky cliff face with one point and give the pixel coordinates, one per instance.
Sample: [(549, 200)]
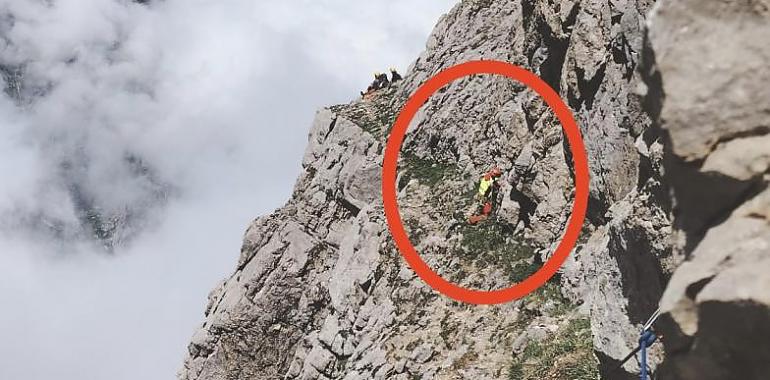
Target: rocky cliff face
[(708, 81), (320, 292)]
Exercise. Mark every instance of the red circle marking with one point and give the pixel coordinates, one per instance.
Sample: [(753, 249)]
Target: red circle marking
[(390, 163)]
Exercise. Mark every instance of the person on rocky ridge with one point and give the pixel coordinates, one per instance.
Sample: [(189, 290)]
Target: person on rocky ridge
[(486, 194), (394, 75), (380, 81), (372, 87)]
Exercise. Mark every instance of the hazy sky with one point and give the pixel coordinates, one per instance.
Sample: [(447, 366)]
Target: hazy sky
[(217, 98)]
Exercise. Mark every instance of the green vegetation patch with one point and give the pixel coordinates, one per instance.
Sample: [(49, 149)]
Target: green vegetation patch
[(375, 115), (427, 171), (568, 355), (547, 299), (490, 243)]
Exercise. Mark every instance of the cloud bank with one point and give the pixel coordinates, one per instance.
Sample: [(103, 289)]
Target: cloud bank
[(175, 123)]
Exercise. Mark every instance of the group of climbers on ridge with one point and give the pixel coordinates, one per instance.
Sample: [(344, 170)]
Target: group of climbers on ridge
[(381, 81)]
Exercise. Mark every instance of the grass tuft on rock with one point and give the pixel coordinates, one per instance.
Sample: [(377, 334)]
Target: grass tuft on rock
[(491, 243), (427, 171), (375, 115), (568, 355)]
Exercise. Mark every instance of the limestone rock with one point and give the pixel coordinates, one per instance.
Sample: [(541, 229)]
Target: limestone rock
[(708, 65)]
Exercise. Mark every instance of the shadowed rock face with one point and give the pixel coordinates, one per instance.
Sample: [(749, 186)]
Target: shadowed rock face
[(710, 65)]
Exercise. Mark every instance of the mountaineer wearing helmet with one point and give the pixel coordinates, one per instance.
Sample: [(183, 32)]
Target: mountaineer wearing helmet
[(394, 75), (372, 87), (486, 194), (382, 80)]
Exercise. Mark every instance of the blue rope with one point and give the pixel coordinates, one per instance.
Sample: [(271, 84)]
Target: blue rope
[(645, 340)]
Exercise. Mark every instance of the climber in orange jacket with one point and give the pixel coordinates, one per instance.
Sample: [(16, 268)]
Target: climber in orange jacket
[(486, 194)]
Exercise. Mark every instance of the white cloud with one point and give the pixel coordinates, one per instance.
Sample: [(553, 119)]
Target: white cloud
[(216, 98)]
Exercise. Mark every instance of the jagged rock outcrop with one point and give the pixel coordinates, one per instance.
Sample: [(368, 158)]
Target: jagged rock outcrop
[(320, 292), (709, 84)]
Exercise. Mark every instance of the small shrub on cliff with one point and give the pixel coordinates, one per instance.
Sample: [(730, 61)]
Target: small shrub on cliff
[(428, 172), (493, 243), (567, 355)]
